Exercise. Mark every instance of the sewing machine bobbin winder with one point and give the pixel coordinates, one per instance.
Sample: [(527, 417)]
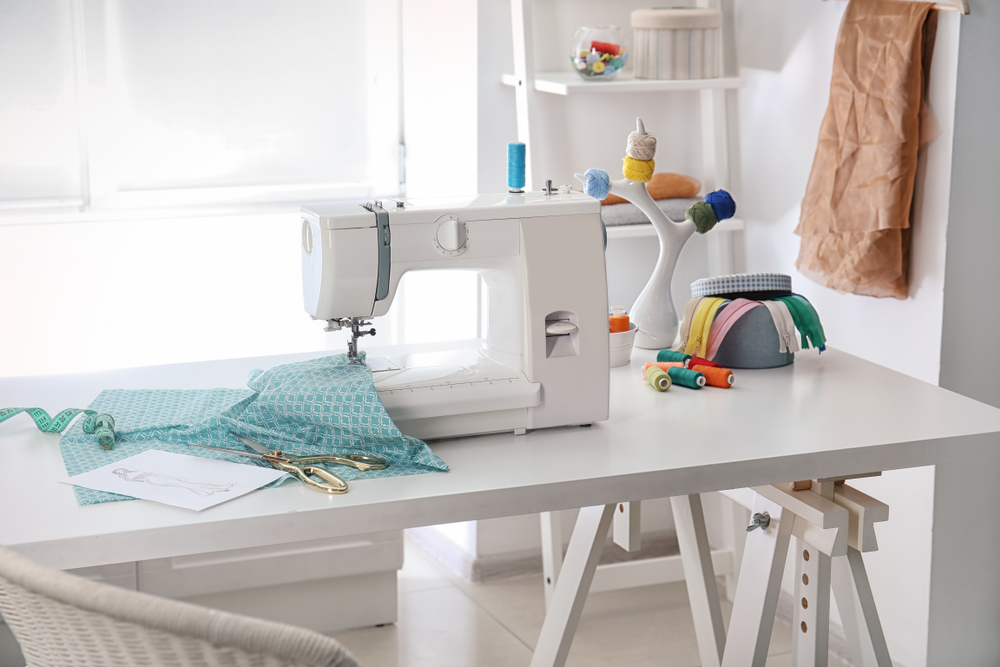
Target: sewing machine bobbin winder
[(543, 361)]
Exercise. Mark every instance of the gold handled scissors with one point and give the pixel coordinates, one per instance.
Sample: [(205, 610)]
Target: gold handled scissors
[(306, 467)]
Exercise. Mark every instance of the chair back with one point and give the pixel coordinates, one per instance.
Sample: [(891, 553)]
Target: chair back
[(61, 620)]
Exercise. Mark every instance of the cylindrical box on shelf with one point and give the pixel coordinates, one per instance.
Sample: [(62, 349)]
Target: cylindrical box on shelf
[(676, 43)]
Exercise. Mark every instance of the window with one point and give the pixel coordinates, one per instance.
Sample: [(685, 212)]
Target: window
[(153, 158)]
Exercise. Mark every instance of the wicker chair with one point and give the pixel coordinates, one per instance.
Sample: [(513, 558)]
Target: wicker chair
[(62, 620)]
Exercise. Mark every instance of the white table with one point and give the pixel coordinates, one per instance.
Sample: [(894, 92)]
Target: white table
[(824, 416)]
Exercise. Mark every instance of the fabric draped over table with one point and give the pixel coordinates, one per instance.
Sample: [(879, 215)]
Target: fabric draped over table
[(320, 406), (855, 218)]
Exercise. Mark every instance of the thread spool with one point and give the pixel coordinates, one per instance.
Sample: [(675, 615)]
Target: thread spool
[(687, 378), (640, 171), (698, 361), (662, 365), (672, 355), (658, 378), (722, 204), (716, 377), (516, 153), (641, 146), (618, 320), (596, 183)]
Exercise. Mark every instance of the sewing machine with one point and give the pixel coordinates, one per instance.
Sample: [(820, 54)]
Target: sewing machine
[(544, 358)]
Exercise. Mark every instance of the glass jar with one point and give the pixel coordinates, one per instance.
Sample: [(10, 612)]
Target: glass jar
[(598, 54)]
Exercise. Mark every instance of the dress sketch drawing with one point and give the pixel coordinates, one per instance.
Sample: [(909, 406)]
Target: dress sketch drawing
[(159, 479)]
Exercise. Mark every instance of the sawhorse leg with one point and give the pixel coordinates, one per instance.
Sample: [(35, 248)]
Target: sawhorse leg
[(572, 586), (567, 582), (858, 613), (832, 524), (552, 555), (703, 591), (757, 593), (811, 615)]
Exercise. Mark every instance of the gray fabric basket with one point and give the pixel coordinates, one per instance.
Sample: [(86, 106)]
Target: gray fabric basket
[(753, 342)]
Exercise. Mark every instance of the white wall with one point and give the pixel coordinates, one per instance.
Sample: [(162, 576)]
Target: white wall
[(965, 577), (787, 50)]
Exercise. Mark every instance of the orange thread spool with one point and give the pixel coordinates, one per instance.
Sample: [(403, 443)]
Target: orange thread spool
[(716, 377), (618, 320), (662, 365)]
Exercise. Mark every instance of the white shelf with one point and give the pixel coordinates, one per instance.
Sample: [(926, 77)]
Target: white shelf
[(565, 83), (645, 230)]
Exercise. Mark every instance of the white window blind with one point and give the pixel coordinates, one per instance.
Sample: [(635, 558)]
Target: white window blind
[(109, 104)]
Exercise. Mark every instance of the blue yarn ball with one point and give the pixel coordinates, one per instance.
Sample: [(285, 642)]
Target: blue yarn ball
[(598, 183), (722, 203)]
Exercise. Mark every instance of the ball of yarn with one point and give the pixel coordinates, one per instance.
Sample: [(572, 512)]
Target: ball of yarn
[(722, 203), (641, 146), (640, 171), (703, 216), (597, 183)]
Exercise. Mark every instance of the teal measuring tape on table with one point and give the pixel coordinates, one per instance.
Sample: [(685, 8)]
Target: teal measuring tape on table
[(99, 424)]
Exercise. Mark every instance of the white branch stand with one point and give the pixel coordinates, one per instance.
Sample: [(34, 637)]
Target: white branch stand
[(654, 313)]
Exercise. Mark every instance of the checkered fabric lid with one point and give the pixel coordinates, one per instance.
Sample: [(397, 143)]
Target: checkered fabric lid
[(741, 282)]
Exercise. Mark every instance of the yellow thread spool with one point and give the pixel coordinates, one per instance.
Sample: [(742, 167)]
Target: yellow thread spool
[(640, 171)]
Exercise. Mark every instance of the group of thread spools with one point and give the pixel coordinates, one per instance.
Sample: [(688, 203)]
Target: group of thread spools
[(638, 165), (750, 320), (672, 367)]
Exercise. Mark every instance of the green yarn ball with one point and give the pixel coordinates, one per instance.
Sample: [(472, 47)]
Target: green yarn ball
[(703, 216)]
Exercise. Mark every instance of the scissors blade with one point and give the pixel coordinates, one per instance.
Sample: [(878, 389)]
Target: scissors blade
[(252, 444), (228, 451)]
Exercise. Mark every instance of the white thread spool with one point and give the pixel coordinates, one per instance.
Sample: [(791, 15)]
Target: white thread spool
[(641, 146)]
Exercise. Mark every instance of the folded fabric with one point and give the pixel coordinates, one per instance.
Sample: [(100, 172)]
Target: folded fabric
[(724, 321), (320, 406), (701, 327), (665, 186), (806, 321), (689, 310), (629, 214), (855, 217), (784, 325)]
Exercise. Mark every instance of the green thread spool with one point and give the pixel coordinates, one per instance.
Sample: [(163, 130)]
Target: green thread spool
[(658, 378), (687, 378), (671, 355)]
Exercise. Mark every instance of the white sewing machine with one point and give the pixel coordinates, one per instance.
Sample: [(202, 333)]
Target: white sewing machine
[(544, 359)]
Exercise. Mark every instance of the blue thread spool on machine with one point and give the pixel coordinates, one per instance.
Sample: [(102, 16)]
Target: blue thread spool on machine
[(516, 155)]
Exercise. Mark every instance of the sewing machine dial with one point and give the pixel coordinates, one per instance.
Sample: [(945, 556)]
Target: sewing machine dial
[(452, 236)]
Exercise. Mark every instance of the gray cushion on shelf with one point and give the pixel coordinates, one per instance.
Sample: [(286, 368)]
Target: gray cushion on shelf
[(617, 215)]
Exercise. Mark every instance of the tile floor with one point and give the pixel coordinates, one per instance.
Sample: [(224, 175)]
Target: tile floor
[(446, 622)]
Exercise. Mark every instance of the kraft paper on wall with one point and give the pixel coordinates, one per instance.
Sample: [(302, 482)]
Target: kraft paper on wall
[(855, 219)]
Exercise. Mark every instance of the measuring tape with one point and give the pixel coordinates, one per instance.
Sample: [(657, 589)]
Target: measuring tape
[(101, 425)]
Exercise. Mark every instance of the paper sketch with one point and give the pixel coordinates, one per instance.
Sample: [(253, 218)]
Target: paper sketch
[(158, 479), (190, 481)]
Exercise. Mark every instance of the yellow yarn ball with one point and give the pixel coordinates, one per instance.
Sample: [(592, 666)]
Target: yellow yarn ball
[(640, 171)]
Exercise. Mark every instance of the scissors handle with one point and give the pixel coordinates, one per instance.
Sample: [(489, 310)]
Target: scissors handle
[(358, 461), (333, 483)]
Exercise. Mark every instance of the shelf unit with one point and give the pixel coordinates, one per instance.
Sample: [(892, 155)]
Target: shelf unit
[(528, 83), (715, 163), (568, 83)]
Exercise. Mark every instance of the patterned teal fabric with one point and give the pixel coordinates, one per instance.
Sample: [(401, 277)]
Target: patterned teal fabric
[(310, 407)]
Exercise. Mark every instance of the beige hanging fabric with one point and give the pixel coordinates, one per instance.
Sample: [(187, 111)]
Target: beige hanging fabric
[(855, 220)]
